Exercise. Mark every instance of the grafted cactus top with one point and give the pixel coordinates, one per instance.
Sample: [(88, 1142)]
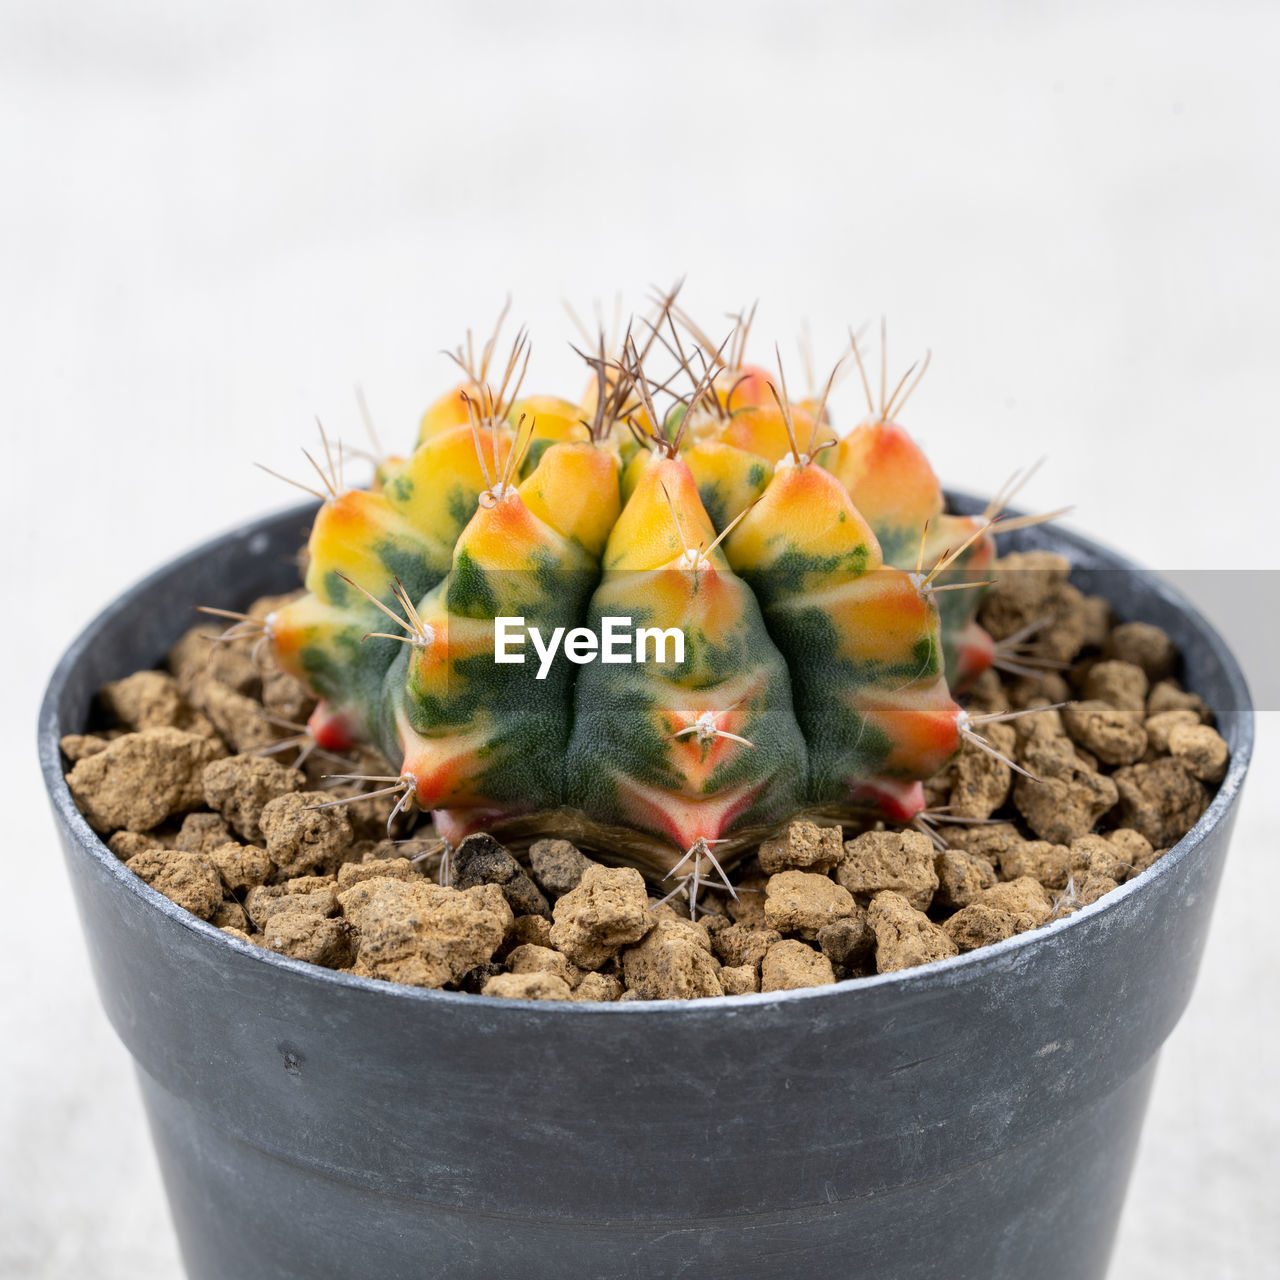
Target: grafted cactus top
[(643, 629)]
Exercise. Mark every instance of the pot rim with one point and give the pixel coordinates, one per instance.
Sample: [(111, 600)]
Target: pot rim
[(939, 973)]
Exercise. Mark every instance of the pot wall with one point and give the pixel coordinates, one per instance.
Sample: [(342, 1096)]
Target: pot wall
[(975, 1118)]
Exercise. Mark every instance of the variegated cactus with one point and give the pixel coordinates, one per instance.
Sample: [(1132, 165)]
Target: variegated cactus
[(801, 570)]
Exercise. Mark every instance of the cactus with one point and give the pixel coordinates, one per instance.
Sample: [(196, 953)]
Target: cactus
[(814, 581)]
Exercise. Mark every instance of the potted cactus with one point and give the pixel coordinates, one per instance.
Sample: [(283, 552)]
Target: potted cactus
[(671, 624)]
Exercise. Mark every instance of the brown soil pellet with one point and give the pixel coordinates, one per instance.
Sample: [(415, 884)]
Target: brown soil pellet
[(905, 937), (898, 860), (790, 964)]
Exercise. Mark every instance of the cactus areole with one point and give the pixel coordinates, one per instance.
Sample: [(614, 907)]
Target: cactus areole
[(801, 570)]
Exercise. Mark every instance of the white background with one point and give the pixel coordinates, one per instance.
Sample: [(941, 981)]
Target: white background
[(215, 219)]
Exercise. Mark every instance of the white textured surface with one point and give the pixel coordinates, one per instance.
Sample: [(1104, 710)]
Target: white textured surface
[(214, 219)]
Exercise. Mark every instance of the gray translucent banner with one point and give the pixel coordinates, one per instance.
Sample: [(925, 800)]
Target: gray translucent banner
[(1242, 605)]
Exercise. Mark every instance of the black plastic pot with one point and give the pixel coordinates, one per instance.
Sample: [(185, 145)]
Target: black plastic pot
[(974, 1119)]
